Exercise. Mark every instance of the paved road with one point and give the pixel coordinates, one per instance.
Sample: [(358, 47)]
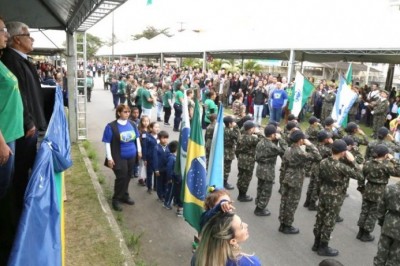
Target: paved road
[(166, 239)]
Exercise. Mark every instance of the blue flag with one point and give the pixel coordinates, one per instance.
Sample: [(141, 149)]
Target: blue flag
[(215, 174), (39, 237)]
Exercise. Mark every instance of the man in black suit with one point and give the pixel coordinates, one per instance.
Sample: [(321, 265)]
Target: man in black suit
[(15, 57)]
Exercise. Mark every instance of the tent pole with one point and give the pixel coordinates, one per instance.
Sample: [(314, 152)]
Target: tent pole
[(389, 77), (367, 77), (71, 66), (204, 61), (291, 65)]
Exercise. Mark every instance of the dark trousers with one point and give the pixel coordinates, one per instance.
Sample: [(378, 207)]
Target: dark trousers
[(115, 100), (122, 179), (149, 176), (173, 193), (178, 115), (89, 94), (161, 184), (122, 98), (167, 114)]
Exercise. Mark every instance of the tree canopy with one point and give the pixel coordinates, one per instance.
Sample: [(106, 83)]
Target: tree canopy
[(151, 32), (93, 43)]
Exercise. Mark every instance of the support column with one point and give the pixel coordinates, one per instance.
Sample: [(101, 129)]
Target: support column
[(389, 78), (162, 60), (71, 69), (291, 65), (242, 64), (368, 71), (204, 61)]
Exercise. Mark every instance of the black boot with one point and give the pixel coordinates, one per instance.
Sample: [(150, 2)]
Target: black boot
[(244, 198), (228, 186), (281, 227), (116, 205), (307, 202), (312, 206), (325, 250), (367, 237), (262, 212), (360, 233), (316, 243), (290, 230), (339, 219)]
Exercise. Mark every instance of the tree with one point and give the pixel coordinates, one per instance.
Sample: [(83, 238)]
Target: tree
[(93, 43), (251, 66), (191, 62), (151, 32)]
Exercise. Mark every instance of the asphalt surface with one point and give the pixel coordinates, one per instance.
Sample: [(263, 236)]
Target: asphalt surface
[(166, 239)]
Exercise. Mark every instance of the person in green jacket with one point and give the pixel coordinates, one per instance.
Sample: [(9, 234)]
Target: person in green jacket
[(210, 107)]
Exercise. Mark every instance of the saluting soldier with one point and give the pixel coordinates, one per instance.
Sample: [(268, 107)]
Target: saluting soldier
[(245, 152), (267, 151)]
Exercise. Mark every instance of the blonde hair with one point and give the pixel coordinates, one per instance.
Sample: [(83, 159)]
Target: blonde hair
[(214, 247)]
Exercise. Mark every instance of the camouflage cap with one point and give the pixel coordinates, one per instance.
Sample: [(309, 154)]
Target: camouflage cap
[(297, 135), (323, 135), (290, 125), (339, 146), (383, 132), (312, 120), (351, 127), (269, 130), (381, 150), (249, 125), (329, 121), (349, 140)]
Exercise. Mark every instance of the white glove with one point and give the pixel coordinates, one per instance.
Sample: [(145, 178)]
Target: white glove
[(389, 117), (366, 104), (372, 112)]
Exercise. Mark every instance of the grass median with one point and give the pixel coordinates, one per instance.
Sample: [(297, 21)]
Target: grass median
[(89, 238)]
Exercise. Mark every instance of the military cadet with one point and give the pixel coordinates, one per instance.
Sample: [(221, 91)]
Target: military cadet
[(209, 135), (245, 152), (336, 131), (294, 159), (328, 101), (332, 173), (313, 129), (383, 137), (324, 147), (266, 153), (380, 111), (358, 161), (377, 173), (389, 218), (289, 128), (357, 134), (231, 137)]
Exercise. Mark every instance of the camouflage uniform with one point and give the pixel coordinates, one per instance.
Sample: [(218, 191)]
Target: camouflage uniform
[(392, 146), (245, 152), (389, 218), (238, 108), (266, 154), (332, 176), (337, 133), (312, 132), (294, 159), (359, 139), (327, 104), (231, 137), (208, 139), (379, 116), (377, 173), (325, 150)]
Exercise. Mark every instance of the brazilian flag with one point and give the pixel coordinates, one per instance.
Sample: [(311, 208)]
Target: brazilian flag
[(194, 181)]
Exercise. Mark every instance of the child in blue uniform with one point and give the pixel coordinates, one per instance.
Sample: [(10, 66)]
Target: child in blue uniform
[(160, 156), (149, 144)]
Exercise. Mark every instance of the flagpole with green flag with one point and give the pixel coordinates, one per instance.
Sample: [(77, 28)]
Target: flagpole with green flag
[(303, 89), (349, 81), (194, 181)]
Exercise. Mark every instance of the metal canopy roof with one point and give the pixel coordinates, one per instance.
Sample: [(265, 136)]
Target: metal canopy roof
[(68, 15)]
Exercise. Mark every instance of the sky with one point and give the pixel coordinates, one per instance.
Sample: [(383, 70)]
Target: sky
[(255, 16)]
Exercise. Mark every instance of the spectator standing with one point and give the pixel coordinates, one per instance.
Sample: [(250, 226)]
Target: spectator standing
[(15, 58), (259, 96), (121, 138), (278, 102)]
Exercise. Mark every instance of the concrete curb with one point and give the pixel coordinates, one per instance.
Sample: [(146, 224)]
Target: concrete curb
[(106, 209)]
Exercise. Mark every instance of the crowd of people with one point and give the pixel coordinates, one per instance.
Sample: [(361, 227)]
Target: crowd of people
[(136, 147), (334, 151)]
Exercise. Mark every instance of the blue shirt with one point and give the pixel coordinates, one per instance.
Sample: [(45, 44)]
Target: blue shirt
[(149, 144), (278, 98), (127, 138)]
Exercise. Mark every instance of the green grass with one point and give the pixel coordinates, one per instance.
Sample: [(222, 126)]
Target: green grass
[(89, 238)]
